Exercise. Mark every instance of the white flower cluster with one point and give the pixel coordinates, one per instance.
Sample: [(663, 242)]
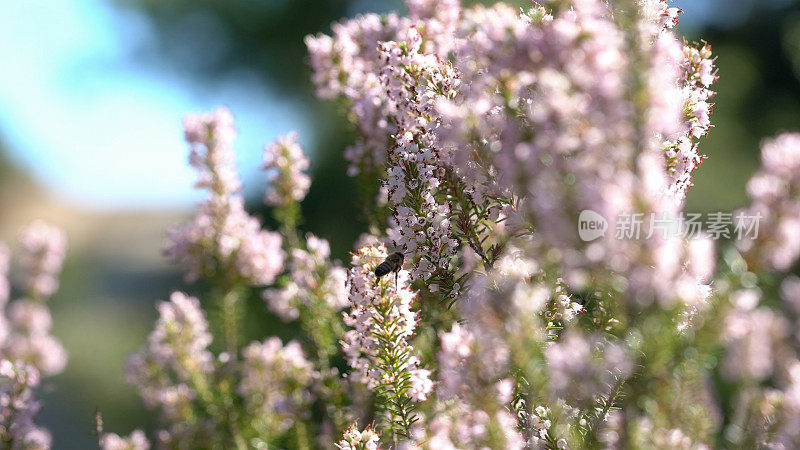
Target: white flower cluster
[(136, 441), (355, 439), (383, 322), (413, 83)]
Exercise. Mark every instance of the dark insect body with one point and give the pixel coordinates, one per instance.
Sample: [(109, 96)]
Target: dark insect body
[(392, 263)]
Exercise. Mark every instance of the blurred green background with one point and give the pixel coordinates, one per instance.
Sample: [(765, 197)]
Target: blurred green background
[(115, 273)]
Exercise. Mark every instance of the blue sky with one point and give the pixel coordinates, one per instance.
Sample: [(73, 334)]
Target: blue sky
[(96, 129)]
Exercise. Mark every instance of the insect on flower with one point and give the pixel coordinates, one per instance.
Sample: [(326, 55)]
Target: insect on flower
[(392, 263)]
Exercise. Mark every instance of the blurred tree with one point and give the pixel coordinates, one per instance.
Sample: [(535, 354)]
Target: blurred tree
[(758, 95)]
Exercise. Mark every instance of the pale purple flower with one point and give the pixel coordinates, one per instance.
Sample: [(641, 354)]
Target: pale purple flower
[(27, 321), (136, 441), (753, 338), (5, 263), (777, 411), (20, 406), (790, 293), (176, 357), (775, 206), (648, 435), (313, 277), (42, 253), (260, 256), (40, 350), (470, 364), (288, 181), (355, 439), (382, 323), (275, 382), (210, 137), (582, 367), (223, 237), (29, 317)]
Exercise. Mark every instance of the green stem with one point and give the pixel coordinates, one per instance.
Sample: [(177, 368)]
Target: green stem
[(231, 303)]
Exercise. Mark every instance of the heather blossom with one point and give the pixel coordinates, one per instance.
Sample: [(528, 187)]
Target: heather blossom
[(470, 385), (5, 264), (377, 347), (484, 139), (41, 257), (355, 439), (773, 191), (136, 441), (27, 320), (485, 132), (223, 238), (27, 350), (288, 183), (173, 370), (274, 383), (752, 336), (18, 428), (311, 276), (578, 371), (790, 293)]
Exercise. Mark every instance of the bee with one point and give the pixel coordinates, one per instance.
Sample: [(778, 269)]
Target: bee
[(392, 263)]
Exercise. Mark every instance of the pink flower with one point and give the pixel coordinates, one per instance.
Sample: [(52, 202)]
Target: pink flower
[(223, 237), (288, 181), (136, 441), (43, 251)]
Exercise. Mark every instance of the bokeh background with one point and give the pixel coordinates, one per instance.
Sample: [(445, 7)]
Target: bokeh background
[(91, 98)]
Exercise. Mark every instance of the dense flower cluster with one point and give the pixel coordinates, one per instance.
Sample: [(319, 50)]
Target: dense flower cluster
[(250, 396), (312, 277), (177, 373), (490, 130), (223, 239), (354, 439), (413, 83), (467, 380), (136, 441), (27, 350), (288, 183), (530, 118), (172, 371), (26, 322), (275, 382), (377, 347), (753, 337), (774, 192), (43, 251), (683, 155), (18, 428), (578, 370)]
